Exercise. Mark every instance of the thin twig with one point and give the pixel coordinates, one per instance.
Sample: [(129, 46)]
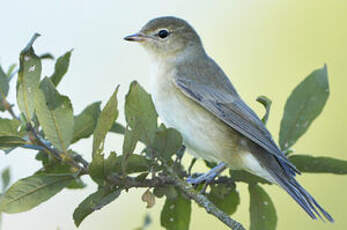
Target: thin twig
[(203, 201)]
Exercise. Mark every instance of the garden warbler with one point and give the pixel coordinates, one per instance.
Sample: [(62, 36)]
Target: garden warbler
[(192, 94)]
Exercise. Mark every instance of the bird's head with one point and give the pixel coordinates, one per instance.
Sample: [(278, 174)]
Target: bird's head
[(167, 37)]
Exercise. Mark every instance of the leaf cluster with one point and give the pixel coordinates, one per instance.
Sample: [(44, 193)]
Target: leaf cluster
[(48, 125)]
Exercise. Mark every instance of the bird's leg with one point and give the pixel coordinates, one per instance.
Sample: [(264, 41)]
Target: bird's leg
[(209, 176)]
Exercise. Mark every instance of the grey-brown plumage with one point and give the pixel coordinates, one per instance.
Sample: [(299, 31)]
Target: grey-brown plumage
[(192, 94)]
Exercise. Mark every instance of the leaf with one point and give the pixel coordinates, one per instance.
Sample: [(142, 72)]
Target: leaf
[(61, 67), (11, 70), (129, 144), (266, 102), (225, 197), (9, 127), (140, 113), (43, 157), (135, 164), (85, 122), (6, 177), (52, 166), (55, 114), (97, 170), (29, 192), (117, 128), (28, 79), (169, 191), (46, 56), (175, 214), (243, 176), (262, 210), (167, 142), (311, 164), (304, 104), (110, 163), (92, 203), (105, 121), (11, 141), (4, 86)]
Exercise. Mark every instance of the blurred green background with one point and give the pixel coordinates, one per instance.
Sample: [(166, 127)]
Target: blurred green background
[(266, 47)]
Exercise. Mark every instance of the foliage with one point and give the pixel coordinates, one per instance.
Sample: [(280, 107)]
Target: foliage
[(48, 125)]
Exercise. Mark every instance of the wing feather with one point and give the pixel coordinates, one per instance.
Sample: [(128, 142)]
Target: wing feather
[(234, 112)]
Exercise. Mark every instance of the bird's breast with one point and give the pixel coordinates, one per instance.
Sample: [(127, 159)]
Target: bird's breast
[(203, 133)]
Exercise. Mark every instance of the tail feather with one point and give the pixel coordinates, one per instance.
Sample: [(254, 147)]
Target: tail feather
[(286, 179)]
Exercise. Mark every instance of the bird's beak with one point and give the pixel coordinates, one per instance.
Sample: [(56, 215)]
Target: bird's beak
[(138, 37)]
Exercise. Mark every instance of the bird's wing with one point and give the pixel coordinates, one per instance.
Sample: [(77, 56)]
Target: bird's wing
[(234, 112)]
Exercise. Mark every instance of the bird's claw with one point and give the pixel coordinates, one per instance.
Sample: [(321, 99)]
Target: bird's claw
[(206, 177)]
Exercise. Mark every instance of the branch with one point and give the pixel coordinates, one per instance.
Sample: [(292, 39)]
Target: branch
[(59, 156), (204, 202), (43, 145), (159, 181)]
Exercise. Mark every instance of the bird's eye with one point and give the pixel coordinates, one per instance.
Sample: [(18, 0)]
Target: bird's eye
[(163, 33)]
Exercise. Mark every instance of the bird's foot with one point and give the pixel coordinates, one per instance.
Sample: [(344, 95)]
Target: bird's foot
[(209, 176)]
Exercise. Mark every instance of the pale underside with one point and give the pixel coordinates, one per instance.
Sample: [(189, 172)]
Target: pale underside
[(205, 135)]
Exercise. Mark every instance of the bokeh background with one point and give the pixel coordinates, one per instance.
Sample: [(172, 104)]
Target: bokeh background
[(266, 47)]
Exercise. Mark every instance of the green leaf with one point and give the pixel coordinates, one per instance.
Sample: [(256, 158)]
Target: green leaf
[(304, 104), (210, 164), (61, 67), (55, 114), (135, 164), (11, 141), (97, 170), (52, 166), (311, 164), (48, 56), (110, 163), (4, 86), (9, 127), (10, 70), (266, 102), (43, 157), (6, 177), (29, 192), (85, 122), (117, 128), (262, 210), (169, 191), (28, 79), (140, 113), (105, 121), (225, 197), (76, 184), (243, 176), (167, 142), (175, 214), (92, 203), (129, 144)]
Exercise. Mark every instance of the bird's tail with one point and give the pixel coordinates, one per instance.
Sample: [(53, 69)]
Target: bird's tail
[(302, 197), (276, 169)]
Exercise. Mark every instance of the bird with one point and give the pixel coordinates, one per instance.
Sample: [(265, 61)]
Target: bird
[(192, 94)]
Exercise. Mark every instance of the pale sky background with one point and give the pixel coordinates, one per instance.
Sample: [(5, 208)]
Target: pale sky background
[(266, 47)]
